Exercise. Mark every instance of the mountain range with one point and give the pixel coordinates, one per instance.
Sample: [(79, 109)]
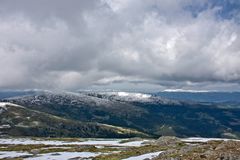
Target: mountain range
[(115, 114)]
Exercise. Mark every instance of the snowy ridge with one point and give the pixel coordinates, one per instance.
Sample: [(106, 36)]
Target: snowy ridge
[(68, 98), (128, 96), (132, 97), (3, 106), (93, 98), (97, 97)]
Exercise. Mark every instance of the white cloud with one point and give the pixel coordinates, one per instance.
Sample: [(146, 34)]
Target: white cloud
[(99, 42)]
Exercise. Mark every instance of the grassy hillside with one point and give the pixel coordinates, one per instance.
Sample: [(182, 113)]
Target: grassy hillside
[(20, 121)]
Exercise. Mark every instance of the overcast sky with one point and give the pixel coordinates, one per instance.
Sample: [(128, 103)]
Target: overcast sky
[(120, 44)]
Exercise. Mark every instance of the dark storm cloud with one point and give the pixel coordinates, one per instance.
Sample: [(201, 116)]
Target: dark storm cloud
[(118, 43)]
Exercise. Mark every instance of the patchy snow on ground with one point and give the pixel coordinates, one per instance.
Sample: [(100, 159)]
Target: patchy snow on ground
[(144, 156), (3, 104), (2, 107), (200, 139), (133, 143), (55, 147), (4, 125), (64, 155), (97, 142), (12, 154)]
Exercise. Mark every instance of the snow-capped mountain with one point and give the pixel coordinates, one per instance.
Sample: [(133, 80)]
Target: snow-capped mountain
[(146, 113), (132, 97), (90, 97), (62, 98)]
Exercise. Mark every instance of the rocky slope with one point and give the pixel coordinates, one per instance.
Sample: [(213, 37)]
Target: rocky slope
[(210, 150)]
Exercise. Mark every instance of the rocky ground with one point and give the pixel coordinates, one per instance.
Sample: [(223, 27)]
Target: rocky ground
[(211, 150), (164, 148)]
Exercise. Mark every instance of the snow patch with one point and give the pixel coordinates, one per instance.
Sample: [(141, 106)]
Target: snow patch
[(127, 96), (5, 126), (97, 142), (64, 155), (12, 154), (135, 143), (2, 107), (200, 139), (5, 104), (135, 95), (145, 156)]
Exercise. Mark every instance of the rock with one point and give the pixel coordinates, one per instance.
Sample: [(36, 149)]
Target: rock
[(167, 141), (35, 151), (203, 156), (212, 150), (186, 149)]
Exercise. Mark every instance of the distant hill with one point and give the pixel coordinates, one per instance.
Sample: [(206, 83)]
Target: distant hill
[(152, 115), (17, 120), (8, 94), (216, 97)]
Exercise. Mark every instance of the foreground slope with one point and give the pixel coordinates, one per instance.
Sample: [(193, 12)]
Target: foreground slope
[(164, 148)]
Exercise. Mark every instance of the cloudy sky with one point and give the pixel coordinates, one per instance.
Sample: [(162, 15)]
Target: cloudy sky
[(120, 44)]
